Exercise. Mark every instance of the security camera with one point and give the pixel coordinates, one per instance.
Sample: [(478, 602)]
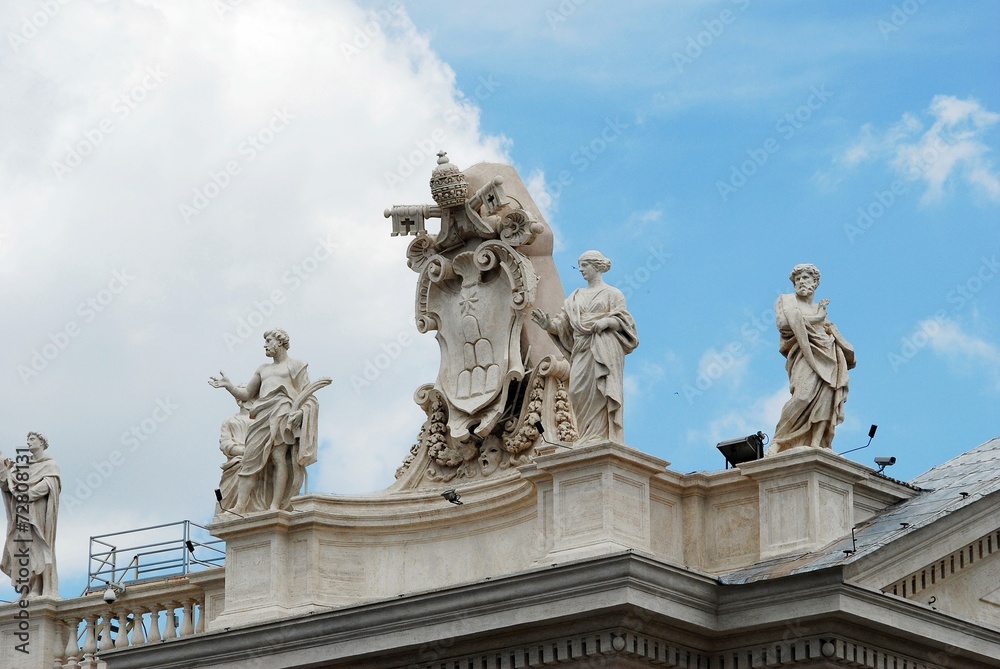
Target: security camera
[(883, 462), (113, 592)]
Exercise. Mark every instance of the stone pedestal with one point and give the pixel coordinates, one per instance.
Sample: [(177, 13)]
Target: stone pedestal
[(806, 499), (593, 499), (31, 636)]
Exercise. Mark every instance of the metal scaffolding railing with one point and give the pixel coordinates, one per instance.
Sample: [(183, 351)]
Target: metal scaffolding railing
[(151, 553)]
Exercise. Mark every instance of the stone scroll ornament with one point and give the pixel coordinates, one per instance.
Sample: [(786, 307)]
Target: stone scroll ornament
[(499, 388)]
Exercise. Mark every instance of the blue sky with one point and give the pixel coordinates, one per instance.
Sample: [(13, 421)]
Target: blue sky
[(174, 180), (699, 89)]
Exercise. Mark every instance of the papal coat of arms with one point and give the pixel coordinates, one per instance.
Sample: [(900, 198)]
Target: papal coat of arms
[(500, 386)]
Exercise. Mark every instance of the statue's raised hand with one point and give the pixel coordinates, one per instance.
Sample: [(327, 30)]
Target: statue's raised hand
[(221, 381), (541, 318)]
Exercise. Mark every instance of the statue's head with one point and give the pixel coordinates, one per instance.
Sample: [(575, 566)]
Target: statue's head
[(803, 276), (597, 260), (278, 335), (39, 438)]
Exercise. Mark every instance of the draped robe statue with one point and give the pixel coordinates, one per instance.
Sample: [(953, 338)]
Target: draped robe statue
[(233, 443), (30, 486), (281, 439), (817, 360), (276, 433), (596, 331)]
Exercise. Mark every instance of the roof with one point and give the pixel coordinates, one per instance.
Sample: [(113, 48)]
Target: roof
[(950, 486)]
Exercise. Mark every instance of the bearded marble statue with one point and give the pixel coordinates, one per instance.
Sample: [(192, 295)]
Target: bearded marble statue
[(817, 360)]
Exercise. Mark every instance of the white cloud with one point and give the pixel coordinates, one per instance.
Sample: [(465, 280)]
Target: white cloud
[(952, 149), (287, 145), (967, 351), (725, 366), (639, 222), (761, 414)]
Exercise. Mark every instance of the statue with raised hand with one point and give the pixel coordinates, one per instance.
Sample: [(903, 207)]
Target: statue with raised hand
[(817, 360), (281, 439), (595, 331)]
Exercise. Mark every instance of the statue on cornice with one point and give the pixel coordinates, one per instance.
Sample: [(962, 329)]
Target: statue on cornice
[(596, 332), (818, 358), (282, 436), (30, 485)]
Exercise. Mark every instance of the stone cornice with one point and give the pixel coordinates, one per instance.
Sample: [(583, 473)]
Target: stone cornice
[(801, 458), (578, 590), (485, 507)]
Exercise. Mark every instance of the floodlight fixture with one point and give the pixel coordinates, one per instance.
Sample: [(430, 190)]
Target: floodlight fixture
[(745, 449)]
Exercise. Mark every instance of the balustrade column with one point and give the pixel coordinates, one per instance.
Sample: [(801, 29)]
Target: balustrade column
[(121, 640), (170, 627), (90, 641), (72, 651), (200, 627), (187, 619), (154, 624), (104, 641), (89, 650), (138, 633)]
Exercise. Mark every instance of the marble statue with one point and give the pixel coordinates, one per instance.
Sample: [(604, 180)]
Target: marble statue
[(233, 443), (596, 331), (500, 383), (30, 485), (281, 438), (818, 358)]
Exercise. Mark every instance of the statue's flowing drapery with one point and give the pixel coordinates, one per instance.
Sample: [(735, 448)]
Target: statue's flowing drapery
[(269, 425), (37, 536), (597, 360), (817, 360)]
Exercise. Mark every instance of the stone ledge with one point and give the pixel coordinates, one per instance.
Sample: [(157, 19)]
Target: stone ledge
[(703, 616)]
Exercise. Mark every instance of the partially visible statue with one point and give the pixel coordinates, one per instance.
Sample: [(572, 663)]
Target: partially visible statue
[(596, 331), (818, 358), (233, 443), (30, 486), (282, 437)]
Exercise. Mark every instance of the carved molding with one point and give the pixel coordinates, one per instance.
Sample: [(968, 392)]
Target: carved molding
[(953, 563), (603, 646)]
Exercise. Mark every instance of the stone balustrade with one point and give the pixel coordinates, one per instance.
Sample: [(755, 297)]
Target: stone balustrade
[(73, 633)]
